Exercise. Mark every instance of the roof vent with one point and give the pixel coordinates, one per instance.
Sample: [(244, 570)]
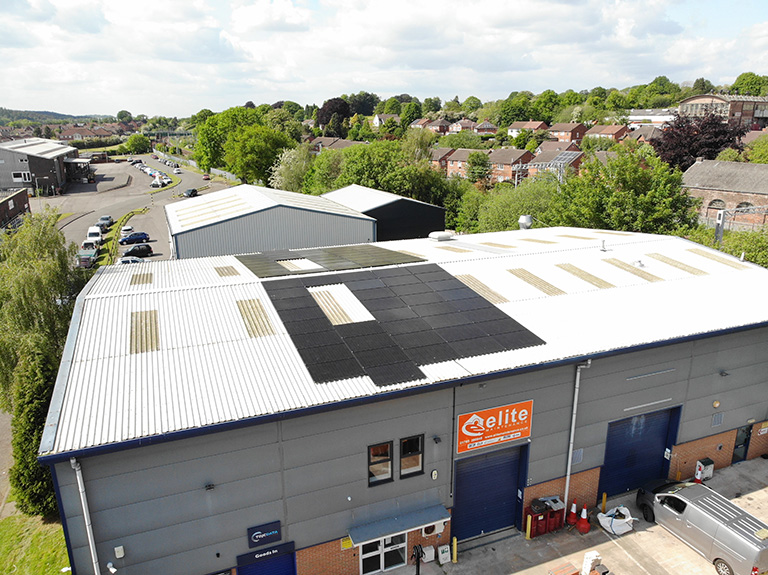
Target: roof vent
[(441, 236), (525, 222)]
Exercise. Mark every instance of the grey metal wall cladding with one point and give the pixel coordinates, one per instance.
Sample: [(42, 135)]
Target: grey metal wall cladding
[(634, 451), (280, 565), (274, 229), (485, 499)]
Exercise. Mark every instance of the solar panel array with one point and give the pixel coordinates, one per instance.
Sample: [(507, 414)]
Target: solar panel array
[(423, 315)]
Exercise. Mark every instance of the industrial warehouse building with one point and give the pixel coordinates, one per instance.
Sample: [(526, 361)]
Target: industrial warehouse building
[(249, 415), (246, 219), (397, 217)]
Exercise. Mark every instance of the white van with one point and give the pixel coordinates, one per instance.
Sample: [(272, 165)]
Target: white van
[(94, 234)]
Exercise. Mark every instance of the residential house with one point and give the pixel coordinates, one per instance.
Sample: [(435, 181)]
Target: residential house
[(439, 158), (655, 117), (507, 164), (485, 127), (554, 146), (463, 125), (644, 134), (515, 128), (439, 126), (568, 132), (379, 119), (556, 162), (728, 186), (330, 143), (77, 134), (13, 205), (419, 124), (457, 162), (749, 111), (615, 132)]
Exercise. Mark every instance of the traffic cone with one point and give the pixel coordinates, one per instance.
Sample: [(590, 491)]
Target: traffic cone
[(572, 517), (582, 525), (697, 476)]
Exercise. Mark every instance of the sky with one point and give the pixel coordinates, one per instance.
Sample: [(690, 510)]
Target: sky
[(176, 57)]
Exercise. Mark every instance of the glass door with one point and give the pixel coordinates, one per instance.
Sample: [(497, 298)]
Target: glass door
[(742, 443), (383, 555)]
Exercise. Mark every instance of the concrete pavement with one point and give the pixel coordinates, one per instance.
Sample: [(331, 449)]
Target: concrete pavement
[(647, 550)]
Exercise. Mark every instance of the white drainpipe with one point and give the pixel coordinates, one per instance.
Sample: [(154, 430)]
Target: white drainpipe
[(86, 514), (576, 385)]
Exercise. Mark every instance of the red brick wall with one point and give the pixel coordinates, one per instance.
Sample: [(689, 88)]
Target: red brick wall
[(731, 199), (758, 444), (435, 540), (685, 455), (327, 558), (583, 488)]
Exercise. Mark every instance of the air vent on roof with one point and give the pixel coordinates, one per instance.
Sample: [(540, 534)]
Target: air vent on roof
[(144, 331), (536, 282), (138, 279), (254, 316), (441, 236), (225, 271)]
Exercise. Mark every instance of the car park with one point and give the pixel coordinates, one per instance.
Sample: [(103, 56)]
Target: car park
[(138, 250), (125, 231), (130, 260), (734, 541), (190, 193), (134, 238)]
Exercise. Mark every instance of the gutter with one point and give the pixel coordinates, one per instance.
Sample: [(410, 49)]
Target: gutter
[(86, 514)]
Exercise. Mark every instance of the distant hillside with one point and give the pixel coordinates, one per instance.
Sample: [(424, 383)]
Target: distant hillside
[(7, 116)]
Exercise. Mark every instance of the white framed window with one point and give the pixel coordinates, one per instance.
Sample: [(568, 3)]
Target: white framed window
[(411, 456), (21, 176), (383, 554), (380, 463)]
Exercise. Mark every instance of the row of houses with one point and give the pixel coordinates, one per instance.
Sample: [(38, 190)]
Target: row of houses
[(71, 132)]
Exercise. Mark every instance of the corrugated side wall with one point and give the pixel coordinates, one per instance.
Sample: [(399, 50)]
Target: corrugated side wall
[(152, 500), (274, 229)]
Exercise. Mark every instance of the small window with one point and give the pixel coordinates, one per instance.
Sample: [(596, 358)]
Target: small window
[(412, 456), (380, 463), (717, 205), (10, 204)]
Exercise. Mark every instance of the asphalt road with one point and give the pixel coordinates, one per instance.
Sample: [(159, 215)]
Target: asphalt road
[(85, 203)]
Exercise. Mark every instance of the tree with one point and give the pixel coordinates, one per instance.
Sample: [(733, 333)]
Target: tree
[(417, 144), (545, 106), (410, 112), (686, 138), (750, 84), (324, 172), (214, 132), (251, 151), (138, 144), (124, 116), (335, 127), (471, 104), (392, 106), (431, 105), (757, 151), (281, 120), (199, 118), (702, 86), (38, 287), (463, 139), (636, 191), (291, 168), (362, 103), (331, 107), (479, 168), (730, 155), (506, 203)]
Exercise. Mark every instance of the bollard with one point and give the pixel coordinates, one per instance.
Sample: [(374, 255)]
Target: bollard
[(605, 498), (455, 558), (528, 528)]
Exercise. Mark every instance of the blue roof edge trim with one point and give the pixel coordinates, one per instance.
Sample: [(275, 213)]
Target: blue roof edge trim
[(261, 419)]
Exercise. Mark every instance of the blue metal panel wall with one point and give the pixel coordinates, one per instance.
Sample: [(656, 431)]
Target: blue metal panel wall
[(280, 565), (634, 450), (485, 498)]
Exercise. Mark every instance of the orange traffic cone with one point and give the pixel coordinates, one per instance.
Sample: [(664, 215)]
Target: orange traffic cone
[(572, 517), (699, 472), (582, 525)]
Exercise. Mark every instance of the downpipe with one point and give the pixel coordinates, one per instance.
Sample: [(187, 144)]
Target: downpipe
[(86, 514), (576, 384)]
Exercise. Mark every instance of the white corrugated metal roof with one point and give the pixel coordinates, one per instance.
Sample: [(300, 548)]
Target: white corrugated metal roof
[(581, 291), (362, 199), (242, 200), (39, 147)]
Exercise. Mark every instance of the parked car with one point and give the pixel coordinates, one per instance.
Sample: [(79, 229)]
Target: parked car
[(157, 184), (134, 238), (190, 193), (107, 220), (206, 176), (130, 260), (176, 170), (153, 156), (166, 180), (94, 233), (139, 250), (126, 231), (708, 523), (102, 226)]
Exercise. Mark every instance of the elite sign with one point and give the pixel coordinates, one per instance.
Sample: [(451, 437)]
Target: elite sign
[(494, 426)]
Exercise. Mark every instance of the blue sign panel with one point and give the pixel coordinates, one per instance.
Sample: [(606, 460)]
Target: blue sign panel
[(266, 553), (264, 534)]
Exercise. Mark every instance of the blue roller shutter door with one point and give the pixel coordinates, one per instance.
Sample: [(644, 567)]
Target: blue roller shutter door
[(634, 450), (280, 565), (485, 498)]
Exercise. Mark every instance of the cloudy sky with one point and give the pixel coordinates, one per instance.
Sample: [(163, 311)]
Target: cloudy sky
[(176, 57)]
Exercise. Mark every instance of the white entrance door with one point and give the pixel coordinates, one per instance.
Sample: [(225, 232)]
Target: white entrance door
[(382, 555)]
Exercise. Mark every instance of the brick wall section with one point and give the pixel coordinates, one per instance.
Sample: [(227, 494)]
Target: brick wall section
[(758, 444), (416, 538), (732, 200), (583, 488), (685, 455), (328, 558)]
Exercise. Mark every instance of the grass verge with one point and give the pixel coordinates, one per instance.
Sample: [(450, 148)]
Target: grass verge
[(32, 546)]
